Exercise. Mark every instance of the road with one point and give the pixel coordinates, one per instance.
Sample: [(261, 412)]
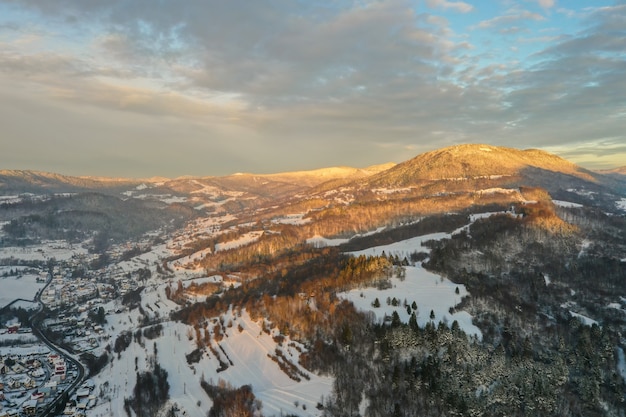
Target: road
[(51, 408)]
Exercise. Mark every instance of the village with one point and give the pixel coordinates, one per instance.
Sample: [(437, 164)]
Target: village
[(33, 373)]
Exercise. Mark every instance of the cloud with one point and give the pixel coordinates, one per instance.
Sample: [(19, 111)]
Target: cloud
[(457, 6), (546, 4), (513, 16), (274, 85)]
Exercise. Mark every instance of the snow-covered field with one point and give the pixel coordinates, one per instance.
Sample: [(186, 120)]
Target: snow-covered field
[(245, 239), (145, 259), (17, 339), (58, 249), (25, 287), (320, 241), (430, 291)]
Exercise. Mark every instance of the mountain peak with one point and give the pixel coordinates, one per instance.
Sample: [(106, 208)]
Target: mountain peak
[(476, 161)]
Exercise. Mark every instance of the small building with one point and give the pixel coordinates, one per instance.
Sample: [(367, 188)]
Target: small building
[(83, 393), (30, 407), (52, 385), (37, 396), (29, 383), (14, 384)]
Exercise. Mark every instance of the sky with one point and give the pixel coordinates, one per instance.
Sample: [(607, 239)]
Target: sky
[(147, 88)]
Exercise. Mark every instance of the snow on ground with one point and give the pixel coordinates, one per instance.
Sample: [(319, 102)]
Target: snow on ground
[(243, 240), (621, 204), (584, 246), (403, 248), (16, 339), (10, 199), (247, 350), (621, 362), (146, 259), (26, 350), (429, 290), (391, 190), (497, 190), (204, 227), (165, 198), (587, 321), (294, 219), (196, 256), (215, 279), (9, 268), (566, 204), (58, 249), (319, 241), (26, 305), (213, 191), (25, 287), (547, 279)]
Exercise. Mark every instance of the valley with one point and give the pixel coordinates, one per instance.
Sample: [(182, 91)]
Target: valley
[(472, 280)]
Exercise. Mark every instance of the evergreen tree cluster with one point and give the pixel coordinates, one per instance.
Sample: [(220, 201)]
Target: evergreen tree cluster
[(151, 392)]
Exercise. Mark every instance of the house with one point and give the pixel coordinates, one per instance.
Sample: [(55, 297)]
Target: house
[(59, 370), (83, 393), (52, 385), (14, 384), (89, 384), (37, 396), (30, 407), (26, 382), (18, 368)]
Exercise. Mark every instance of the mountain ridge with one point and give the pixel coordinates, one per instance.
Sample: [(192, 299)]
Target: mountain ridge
[(504, 166)]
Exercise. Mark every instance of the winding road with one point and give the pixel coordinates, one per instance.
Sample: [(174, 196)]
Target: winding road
[(56, 406)]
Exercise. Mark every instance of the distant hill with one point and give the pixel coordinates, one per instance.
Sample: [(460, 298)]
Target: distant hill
[(619, 171), (270, 185), (25, 181), (227, 194)]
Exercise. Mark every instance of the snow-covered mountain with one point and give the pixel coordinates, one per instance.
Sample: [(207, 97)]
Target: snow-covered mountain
[(471, 280)]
